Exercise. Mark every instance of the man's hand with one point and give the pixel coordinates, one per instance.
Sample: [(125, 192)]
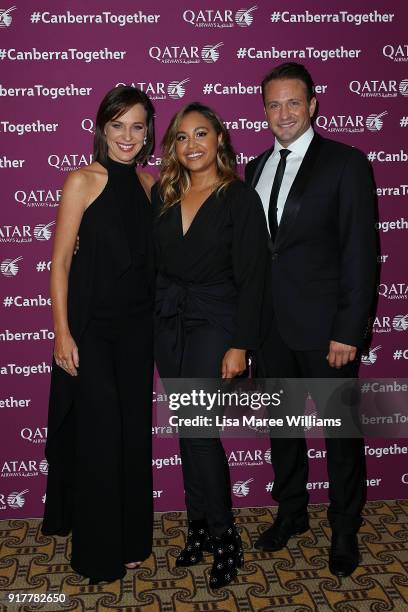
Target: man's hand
[(234, 363), (340, 354)]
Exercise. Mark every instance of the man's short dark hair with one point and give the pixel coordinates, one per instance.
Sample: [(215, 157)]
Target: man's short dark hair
[(290, 70)]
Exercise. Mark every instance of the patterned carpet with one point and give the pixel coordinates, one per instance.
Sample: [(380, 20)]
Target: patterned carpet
[(295, 579)]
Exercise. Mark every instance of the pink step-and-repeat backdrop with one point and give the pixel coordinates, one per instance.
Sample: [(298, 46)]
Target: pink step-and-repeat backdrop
[(57, 61)]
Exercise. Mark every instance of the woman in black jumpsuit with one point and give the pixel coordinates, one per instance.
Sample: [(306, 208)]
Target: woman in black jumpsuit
[(208, 301), (99, 432)]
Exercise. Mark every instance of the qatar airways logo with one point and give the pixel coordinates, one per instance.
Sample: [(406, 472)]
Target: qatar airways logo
[(28, 468), (35, 436), (400, 323), (396, 53), (42, 231), (351, 123), (177, 89), (374, 122), (38, 198), (241, 487), (16, 499), (384, 325), (341, 123), (239, 458), (226, 18), (369, 358), (379, 89), (159, 90), (186, 54), (6, 17), (393, 291), (24, 233), (10, 267), (15, 233), (69, 161)]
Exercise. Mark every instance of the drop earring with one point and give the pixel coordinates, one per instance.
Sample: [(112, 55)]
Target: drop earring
[(144, 140)]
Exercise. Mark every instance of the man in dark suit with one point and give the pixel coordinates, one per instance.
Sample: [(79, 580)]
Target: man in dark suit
[(319, 199)]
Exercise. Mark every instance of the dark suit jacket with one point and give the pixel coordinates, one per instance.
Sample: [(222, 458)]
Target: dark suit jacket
[(321, 282)]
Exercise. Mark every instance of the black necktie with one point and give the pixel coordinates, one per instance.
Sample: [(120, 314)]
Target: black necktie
[(273, 200)]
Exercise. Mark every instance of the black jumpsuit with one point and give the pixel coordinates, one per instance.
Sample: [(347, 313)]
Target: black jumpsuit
[(208, 299), (99, 444)]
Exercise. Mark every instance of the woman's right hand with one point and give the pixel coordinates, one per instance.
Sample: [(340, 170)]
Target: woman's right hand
[(66, 353)]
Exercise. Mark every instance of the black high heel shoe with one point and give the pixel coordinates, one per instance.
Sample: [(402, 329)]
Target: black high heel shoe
[(93, 580), (228, 557), (198, 540)]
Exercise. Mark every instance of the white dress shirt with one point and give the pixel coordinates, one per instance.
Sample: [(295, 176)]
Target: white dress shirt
[(297, 150)]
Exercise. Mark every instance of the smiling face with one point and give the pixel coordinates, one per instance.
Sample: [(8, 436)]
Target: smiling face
[(287, 109), (125, 134), (197, 143)]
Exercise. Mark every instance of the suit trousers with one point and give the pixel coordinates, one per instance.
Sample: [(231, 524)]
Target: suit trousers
[(205, 467), (345, 456)]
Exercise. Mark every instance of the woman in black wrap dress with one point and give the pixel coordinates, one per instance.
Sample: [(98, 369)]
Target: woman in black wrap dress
[(211, 249), (99, 430)]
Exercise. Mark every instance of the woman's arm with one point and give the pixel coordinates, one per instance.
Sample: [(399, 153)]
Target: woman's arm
[(249, 257), (73, 203)]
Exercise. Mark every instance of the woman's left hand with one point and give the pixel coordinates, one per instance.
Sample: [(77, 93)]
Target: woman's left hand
[(234, 363)]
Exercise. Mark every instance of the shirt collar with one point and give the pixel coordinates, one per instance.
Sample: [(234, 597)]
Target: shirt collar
[(300, 145)]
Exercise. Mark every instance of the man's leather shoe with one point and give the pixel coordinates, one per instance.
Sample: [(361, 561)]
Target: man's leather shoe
[(277, 536), (344, 556)]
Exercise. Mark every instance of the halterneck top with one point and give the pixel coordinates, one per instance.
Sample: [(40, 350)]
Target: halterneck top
[(113, 273), (129, 294)]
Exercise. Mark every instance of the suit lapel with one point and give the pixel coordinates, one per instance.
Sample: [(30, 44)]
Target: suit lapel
[(294, 199), (258, 170)]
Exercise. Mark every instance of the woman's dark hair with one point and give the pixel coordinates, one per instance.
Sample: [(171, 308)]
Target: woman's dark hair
[(290, 70), (117, 102)]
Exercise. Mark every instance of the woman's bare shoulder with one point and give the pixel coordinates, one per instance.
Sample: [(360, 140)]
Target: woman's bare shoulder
[(85, 183), (87, 175)]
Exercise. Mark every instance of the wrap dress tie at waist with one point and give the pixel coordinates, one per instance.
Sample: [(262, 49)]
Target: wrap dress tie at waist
[(180, 302)]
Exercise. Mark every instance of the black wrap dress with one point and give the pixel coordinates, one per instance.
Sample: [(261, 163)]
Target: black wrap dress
[(208, 299)]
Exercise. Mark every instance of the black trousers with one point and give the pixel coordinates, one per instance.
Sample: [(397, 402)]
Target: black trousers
[(102, 484), (205, 467), (345, 457)]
